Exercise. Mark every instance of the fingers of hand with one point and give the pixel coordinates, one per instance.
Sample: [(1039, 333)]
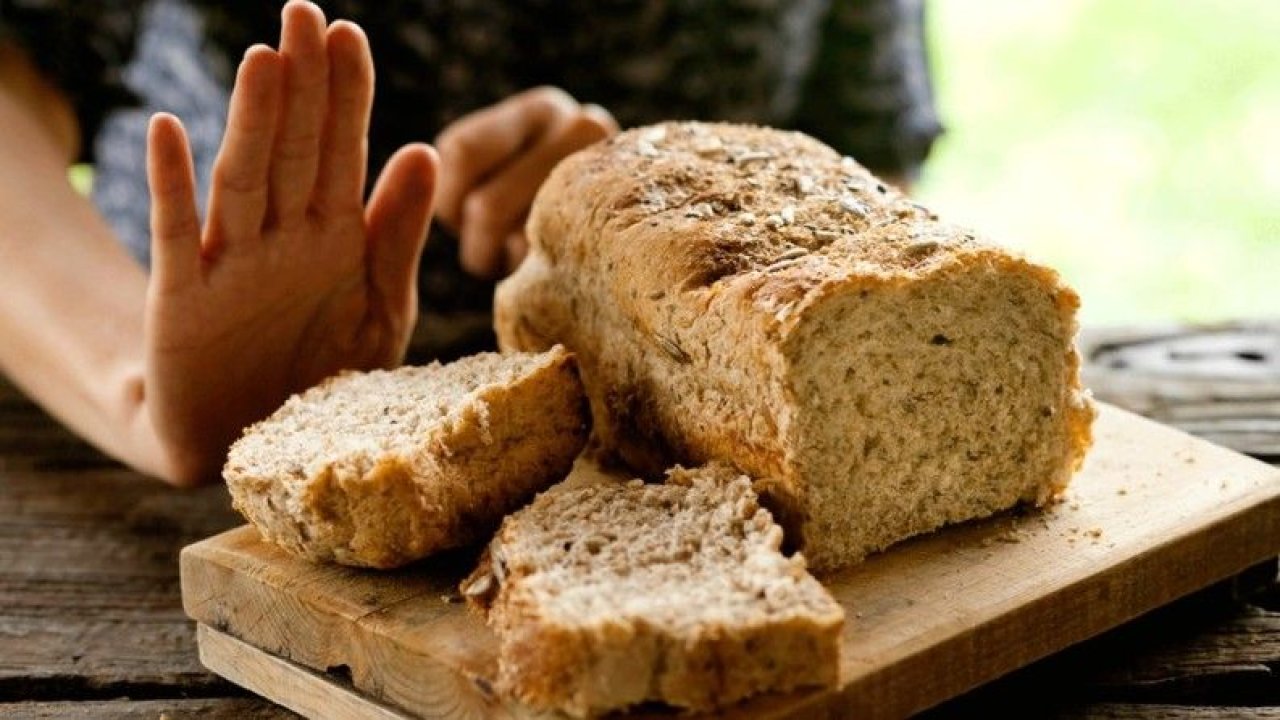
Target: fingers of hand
[(296, 156), (239, 190), (496, 209), (602, 117), (397, 217), (175, 222), (478, 144), (343, 157)]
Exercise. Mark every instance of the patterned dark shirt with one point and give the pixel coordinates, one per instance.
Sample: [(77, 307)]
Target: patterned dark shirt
[(851, 72)]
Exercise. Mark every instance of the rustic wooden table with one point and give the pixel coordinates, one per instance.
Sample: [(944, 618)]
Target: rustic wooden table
[(91, 624)]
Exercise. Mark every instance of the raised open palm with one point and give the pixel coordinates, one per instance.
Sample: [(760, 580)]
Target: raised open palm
[(292, 277)]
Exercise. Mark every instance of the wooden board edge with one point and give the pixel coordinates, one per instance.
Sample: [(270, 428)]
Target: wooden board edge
[(302, 690), (1241, 540)]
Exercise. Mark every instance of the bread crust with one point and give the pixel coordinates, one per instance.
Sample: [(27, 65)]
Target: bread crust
[(686, 264), (588, 665), (452, 488)]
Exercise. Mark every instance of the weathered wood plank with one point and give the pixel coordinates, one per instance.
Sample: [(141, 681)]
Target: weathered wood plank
[(1118, 711), (290, 684), (1221, 383), (1248, 351), (124, 709), (89, 600), (1245, 643), (1188, 653)]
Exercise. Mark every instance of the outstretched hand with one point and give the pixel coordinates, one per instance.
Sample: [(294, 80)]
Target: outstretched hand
[(292, 276)]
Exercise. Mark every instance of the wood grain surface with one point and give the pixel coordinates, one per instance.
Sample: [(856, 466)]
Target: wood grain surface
[(1154, 515), (91, 624), (1221, 383), (311, 693)]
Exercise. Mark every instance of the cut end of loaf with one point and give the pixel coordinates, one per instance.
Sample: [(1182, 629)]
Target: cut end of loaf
[(610, 595), (930, 401), (381, 468)]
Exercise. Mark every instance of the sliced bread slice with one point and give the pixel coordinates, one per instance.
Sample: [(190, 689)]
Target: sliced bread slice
[(610, 595), (381, 468)]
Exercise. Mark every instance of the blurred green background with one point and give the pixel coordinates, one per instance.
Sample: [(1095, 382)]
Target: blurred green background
[(1132, 144)]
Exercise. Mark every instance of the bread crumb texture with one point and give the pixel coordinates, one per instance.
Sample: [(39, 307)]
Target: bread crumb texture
[(746, 295), (608, 595), (381, 468)]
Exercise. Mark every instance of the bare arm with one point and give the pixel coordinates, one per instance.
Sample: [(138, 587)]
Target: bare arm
[(292, 277), (71, 301)]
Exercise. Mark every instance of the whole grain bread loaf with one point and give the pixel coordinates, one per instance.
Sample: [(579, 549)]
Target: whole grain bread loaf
[(745, 294), (381, 468), (611, 594)]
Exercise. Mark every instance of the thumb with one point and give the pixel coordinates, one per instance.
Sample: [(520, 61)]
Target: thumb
[(397, 217)]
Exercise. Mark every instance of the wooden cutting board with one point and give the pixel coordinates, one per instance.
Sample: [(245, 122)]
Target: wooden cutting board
[(1154, 515)]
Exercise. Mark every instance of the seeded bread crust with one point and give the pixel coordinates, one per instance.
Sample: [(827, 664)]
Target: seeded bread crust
[(612, 594), (379, 469), (746, 295)]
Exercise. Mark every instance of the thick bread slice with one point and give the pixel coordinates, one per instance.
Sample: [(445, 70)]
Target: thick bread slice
[(378, 469), (612, 594), (744, 294)]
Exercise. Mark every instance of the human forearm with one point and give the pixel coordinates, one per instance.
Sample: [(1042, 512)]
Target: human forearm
[(292, 276), (71, 304)]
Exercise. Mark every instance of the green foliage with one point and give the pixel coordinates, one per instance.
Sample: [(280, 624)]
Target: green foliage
[(1132, 144), (81, 177)]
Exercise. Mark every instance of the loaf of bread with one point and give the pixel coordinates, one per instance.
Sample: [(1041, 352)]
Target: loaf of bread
[(612, 594), (381, 468), (745, 294)]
